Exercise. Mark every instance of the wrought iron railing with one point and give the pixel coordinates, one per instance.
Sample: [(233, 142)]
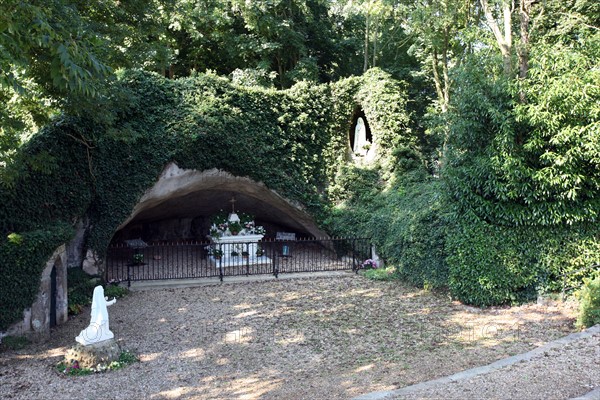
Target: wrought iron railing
[(192, 259)]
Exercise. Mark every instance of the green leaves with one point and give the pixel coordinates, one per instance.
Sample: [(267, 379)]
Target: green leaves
[(23, 257)]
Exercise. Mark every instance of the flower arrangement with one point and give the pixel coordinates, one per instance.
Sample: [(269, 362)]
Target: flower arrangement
[(222, 227), (369, 264)]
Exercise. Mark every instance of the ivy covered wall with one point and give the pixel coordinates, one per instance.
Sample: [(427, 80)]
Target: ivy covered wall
[(294, 141)]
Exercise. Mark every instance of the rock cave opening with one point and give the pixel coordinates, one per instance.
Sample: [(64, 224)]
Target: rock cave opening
[(182, 203)]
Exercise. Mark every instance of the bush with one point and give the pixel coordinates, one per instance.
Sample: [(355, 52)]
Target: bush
[(493, 265), (14, 342), (407, 223), (80, 289), (115, 291), (589, 303), (415, 238)]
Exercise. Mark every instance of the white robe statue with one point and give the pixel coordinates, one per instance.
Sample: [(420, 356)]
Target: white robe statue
[(98, 329), (360, 138)]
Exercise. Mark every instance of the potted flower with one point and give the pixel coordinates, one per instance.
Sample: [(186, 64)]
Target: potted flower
[(235, 227), (138, 259), (234, 253), (215, 232), (245, 254), (217, 253), (260, 252)]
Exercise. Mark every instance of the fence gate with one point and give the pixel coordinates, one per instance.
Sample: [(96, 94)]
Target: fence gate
[(137, 261)]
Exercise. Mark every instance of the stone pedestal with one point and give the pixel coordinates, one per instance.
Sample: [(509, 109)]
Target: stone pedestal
[(93, 354)]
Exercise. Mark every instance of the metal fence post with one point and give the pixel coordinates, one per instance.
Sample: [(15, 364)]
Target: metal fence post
[(221, 269)]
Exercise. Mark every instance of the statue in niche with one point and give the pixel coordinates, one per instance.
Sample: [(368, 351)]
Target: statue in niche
[(98, 329), (361, 144)]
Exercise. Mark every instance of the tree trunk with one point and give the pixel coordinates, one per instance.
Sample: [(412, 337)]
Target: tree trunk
[(446, 87), (366, 58), (437, 79), (375, 43), (504, 40), (524, 45)]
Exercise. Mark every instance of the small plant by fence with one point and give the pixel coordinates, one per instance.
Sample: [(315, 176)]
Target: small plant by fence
[(192, 259), (568, 287)]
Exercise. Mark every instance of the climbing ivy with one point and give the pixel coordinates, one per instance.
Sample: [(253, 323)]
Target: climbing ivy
[(97, 167), (23, 259)]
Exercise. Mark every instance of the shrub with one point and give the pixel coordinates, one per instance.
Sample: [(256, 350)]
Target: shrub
[(492, 265), (80, 289), (115, 291), (589, 303), (407, 223), (415, 239), (14, 342)]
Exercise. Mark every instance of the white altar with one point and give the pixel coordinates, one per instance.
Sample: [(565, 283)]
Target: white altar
[(238, 250), (235, 243)]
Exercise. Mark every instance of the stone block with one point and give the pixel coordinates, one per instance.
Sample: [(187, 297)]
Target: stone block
[(92, 355)]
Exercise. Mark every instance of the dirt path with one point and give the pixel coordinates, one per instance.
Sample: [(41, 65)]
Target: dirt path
[(318, 338)]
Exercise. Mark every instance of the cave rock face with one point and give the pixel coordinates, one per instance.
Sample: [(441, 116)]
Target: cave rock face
[(183, 200)]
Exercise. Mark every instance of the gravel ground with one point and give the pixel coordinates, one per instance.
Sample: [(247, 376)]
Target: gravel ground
[(564, 369), (321, 338)]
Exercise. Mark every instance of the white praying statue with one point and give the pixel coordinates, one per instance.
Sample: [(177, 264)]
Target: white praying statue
[(98, 329)]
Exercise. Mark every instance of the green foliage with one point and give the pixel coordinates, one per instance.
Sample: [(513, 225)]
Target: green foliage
[(407, 223), (80, 289), (528, 153), (415, 238), (14, 343), (293, 141), (491, 264), (381, 274), (22, 262), (589, 303)]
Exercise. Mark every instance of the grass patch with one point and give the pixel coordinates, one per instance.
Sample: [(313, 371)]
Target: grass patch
[(14, 343), (381, 274)]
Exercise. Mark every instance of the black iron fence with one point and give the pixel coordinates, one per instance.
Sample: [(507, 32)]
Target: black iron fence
[(137, 261)]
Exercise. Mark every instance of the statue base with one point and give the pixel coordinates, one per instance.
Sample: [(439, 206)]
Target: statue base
[(93, 354)]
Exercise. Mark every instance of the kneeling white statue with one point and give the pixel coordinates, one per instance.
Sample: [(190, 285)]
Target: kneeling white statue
[(98, 329)]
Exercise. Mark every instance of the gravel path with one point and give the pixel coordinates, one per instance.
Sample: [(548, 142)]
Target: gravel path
[(563, 369), (333, 338)]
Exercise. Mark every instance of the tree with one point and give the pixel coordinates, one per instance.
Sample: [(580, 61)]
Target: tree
[(47, 53)]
